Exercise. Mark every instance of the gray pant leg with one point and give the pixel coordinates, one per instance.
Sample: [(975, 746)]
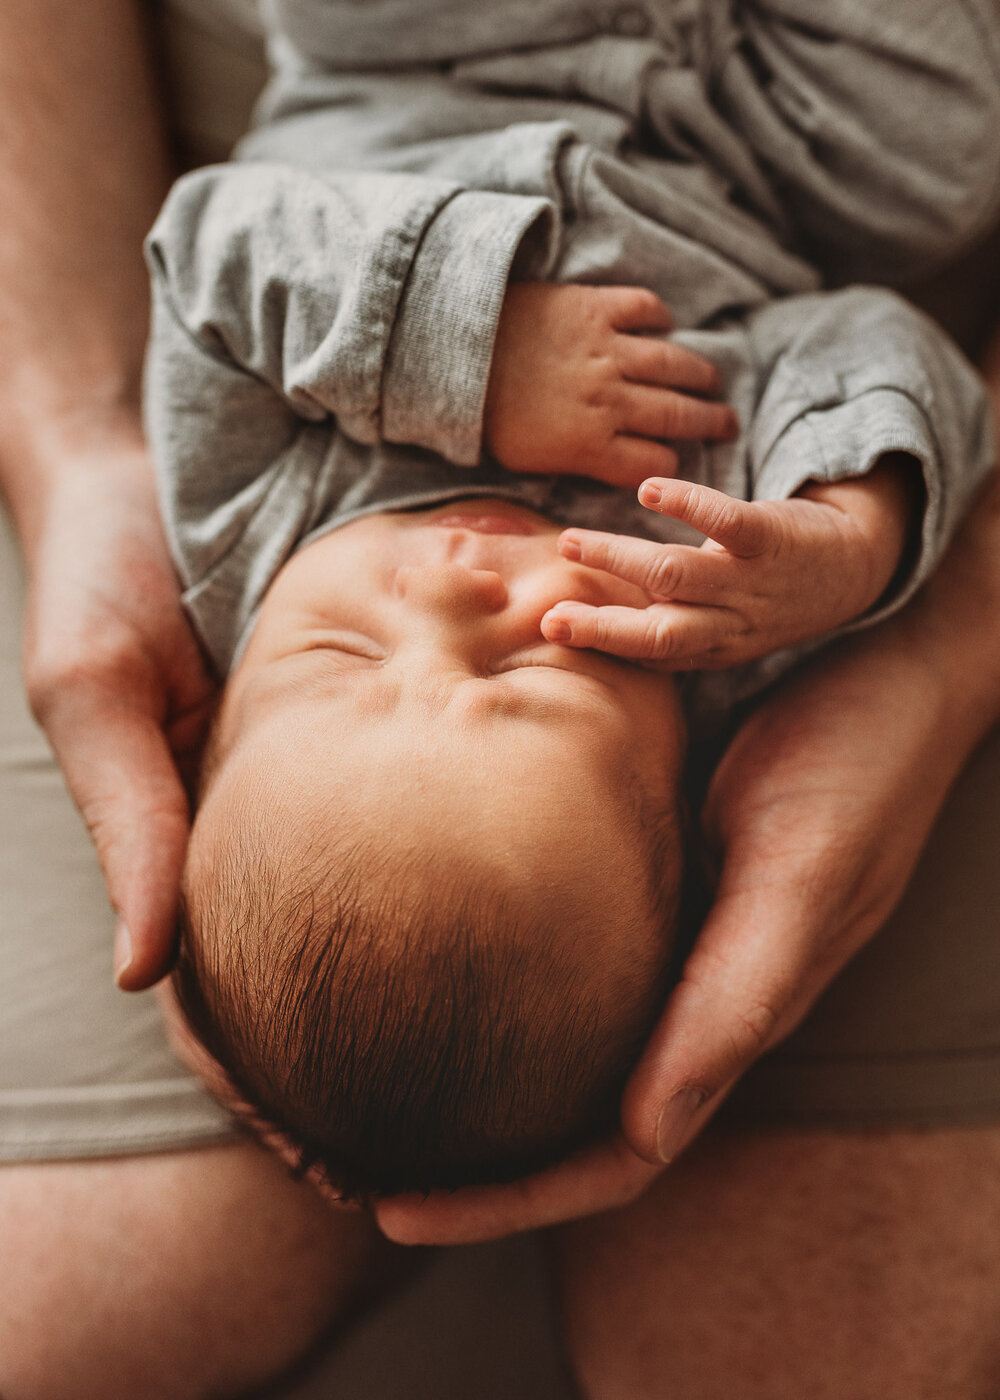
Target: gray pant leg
[(85, 1070)]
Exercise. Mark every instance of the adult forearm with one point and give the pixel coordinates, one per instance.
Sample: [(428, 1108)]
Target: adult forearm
[(948, 639), (83, 168)]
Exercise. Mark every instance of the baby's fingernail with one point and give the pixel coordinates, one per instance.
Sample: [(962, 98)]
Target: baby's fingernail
[(569, 547), (557, 629), (675, 1121), (123, 950), (650, 495)]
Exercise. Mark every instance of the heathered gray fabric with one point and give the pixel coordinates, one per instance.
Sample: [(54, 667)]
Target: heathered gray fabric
[(325, 308)]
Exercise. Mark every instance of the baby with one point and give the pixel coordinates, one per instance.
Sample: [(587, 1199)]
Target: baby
[(436, 865)]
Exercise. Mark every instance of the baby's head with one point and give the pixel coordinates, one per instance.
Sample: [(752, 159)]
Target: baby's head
[(435, 867)]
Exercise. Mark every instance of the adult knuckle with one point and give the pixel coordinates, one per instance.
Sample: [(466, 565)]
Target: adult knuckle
[(51, 674), (756, 1022)]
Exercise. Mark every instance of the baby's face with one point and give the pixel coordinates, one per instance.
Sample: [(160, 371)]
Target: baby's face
[(417, 634)]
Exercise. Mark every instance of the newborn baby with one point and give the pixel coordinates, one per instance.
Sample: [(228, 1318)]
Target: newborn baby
[(435, 872), (413, 330)]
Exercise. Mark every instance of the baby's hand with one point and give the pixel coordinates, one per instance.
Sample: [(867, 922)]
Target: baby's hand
[(583, 383), (770, 573)]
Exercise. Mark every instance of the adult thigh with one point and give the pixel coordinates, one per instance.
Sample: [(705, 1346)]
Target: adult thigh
[(795, 1266), (177, 1276)]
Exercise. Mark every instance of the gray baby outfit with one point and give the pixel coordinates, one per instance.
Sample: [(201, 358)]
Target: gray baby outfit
[(325, 307)]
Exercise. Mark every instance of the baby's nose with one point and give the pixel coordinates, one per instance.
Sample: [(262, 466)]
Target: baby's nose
[(452, 589)]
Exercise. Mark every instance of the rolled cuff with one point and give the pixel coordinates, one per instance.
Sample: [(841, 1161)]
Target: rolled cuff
[(438, 362)]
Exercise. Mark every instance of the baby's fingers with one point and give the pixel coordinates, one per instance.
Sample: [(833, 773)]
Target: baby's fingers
[(628, 459), (635, 309), (667, 571), (662, 413), (673, 636), (645, 360), (742, 527)]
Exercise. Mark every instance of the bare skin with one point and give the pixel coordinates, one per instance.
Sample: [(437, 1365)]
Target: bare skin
[(795, 1266), (184, 1276), (583, 382), (111, 669), (809, 1264), (57, 236), (769, 574)]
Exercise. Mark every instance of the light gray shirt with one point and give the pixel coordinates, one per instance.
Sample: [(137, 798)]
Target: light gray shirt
[(325, 308)]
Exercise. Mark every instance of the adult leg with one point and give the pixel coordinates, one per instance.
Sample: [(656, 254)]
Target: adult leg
[(795, 1266), (172, 1276), (792, 1254)]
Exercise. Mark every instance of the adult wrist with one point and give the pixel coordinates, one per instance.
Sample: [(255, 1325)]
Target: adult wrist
[(40, 467), (951, 628)]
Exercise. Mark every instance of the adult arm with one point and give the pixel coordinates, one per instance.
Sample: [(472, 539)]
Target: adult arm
[(819, 812), (112, 672)]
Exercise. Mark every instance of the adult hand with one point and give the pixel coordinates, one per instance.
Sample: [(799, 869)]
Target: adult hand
[(600, 1178), (818, 813), (115, 678)]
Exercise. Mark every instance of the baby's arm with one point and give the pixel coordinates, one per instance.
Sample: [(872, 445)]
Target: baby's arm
[(770, 574), (584, 383), (866, 443), (372, 297), (383, 299)]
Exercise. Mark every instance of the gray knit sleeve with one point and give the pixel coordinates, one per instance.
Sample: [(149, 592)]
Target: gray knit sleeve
[(373, 298)]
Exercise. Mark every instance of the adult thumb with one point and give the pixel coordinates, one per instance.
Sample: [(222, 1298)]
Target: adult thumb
[(742, 989), (121, 774)]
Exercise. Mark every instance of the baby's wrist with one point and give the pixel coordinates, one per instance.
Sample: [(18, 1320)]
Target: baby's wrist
[(885, 509)]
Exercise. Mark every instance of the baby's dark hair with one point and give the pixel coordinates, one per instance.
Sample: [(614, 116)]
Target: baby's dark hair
[(412, 1041)]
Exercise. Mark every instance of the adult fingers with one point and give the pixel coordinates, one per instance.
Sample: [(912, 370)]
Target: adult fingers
[(669, 571), (644, 360), (601, 1178), (736, 525), (662, 413), (122, 777), (677, 636), (635, 309)]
